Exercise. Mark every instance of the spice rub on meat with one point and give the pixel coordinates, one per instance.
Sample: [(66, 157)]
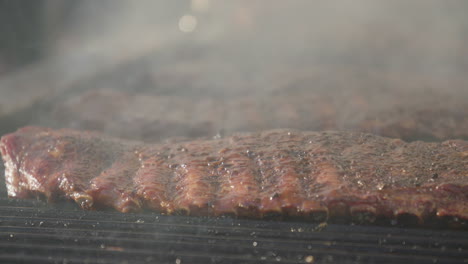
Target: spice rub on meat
[(315, 175)]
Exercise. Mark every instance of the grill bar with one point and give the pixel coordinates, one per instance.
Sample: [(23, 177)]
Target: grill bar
[(34, 232), (138, 237), (112, 218)]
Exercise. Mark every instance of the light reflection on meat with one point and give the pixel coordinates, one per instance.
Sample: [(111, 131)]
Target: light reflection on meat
[(307, 175)]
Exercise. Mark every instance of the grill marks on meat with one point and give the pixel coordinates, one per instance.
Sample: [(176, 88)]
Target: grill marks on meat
[(300, 174)]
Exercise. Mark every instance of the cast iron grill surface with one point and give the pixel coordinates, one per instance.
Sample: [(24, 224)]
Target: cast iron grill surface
[(34, 232)]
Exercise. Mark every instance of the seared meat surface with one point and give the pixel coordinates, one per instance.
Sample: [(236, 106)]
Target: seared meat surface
[(314, 175), (152, 118)]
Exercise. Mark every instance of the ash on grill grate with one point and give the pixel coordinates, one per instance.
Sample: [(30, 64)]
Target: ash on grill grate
[(32, 232)]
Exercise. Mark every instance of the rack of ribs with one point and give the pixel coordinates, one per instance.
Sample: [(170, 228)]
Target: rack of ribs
[(151, 118), (310, 175)]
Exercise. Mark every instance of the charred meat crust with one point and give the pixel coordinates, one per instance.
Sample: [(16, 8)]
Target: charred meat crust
[(309, 175)]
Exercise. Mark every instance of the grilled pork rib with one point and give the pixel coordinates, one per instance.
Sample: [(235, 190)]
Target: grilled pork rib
[(299, 174)]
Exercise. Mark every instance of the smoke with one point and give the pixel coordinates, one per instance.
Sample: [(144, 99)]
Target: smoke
[(365, 49), (217, 43)]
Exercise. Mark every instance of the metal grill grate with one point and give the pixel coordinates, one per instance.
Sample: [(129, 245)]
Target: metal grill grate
[(32, 232)]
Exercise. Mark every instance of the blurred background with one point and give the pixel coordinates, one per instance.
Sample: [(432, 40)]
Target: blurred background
[(55, 51)]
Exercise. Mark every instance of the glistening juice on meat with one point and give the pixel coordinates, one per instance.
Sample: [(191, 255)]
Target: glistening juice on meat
[(310, 175)]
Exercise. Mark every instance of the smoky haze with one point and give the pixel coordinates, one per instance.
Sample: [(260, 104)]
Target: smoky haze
[(267, 37), (232, 61)]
